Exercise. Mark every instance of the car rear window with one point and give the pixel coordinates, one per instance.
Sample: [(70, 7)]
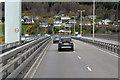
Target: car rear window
[(66, 39)]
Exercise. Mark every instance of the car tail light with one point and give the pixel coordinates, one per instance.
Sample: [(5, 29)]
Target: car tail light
[(71, 42), (60, 41)]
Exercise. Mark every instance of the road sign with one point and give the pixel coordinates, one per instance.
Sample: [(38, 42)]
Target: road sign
[(16, 30)]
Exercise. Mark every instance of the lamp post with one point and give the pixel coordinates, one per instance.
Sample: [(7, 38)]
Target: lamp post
[(81, 11), (93, 19), (74, 25)]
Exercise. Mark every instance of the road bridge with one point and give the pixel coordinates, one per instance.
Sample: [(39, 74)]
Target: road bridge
[(41, 59)]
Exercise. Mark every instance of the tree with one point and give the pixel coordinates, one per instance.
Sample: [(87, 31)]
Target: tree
[(105, 16)]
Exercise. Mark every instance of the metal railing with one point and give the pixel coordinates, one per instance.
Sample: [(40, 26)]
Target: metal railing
[(108, 46), (103, 36), (6, 47), (9, 46), (14, 61)]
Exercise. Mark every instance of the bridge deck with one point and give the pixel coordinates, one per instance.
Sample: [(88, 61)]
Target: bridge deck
[(85, 62)]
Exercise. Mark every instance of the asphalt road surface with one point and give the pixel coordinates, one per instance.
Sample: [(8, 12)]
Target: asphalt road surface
[(85, 62)]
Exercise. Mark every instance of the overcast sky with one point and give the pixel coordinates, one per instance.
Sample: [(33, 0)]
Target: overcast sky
[(60, 0)]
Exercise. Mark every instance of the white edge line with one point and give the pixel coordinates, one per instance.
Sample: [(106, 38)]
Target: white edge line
[(106, 52), (102, 50), (39, 62), (27, 75)]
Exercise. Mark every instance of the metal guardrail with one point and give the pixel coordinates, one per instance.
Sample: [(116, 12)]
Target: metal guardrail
[(6, 47), (9, 46), (108, 46), (103, 36), (13, 62)]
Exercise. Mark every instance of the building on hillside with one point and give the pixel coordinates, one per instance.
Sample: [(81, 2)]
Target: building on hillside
[(32, 17), (117, 23), (65, 18), (88, 24), (44, 25), (91, 16), (29, 21), (64, 31), (72, 21), (22, 20), (58, 23), (106, 21), (66, 25), (99, 23), (57, 16)]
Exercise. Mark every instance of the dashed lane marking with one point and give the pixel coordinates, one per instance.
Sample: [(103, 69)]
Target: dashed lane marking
[(89, 69)]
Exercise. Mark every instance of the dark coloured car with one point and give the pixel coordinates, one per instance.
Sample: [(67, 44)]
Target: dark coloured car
[(65, 43), (56, 38)]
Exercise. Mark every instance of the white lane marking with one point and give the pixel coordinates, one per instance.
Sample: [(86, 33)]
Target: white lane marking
[(74, 51), (79, 57), (35, 66), (108, 52), (89, 69)]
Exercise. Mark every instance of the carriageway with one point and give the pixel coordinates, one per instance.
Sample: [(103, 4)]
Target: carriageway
[(41, 59)]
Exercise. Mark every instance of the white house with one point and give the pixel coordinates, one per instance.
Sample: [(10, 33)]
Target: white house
[(32, 17), (91, 16), (66, 25), (99, 23), (27, 17), (61, 30), (65, 31), (56, 16), (58, 23), (68, 31), (22, 20), (30, 21), (44, 24), (65, 18), (72, 21), (106, 21)]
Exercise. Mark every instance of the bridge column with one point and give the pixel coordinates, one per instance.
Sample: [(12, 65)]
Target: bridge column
[(12, 21)]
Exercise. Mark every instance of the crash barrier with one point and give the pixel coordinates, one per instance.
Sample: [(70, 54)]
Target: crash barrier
[(14, 61), (103, 36), (108, 46), (9, 46)]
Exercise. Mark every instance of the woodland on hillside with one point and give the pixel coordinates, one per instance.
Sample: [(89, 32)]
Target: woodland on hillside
[(103, 10)]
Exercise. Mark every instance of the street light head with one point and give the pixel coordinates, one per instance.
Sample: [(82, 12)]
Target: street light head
[(81, 10)]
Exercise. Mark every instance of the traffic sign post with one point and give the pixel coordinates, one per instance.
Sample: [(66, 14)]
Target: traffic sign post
[(12, 21)]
